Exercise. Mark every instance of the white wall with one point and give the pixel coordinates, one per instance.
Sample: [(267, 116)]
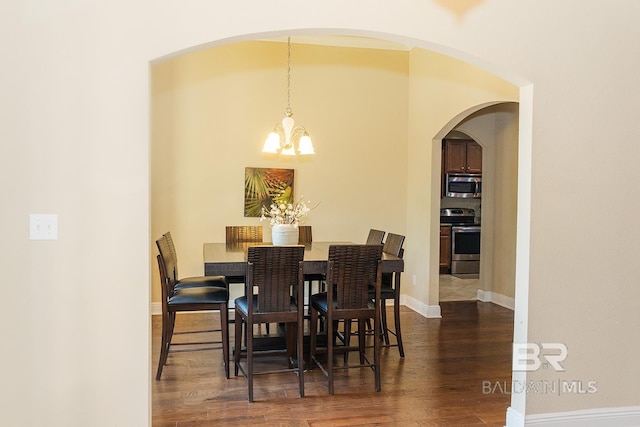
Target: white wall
[(75, 139)]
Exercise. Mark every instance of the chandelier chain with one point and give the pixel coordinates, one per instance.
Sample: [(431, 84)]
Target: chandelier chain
[(285, 133), (289, 112)]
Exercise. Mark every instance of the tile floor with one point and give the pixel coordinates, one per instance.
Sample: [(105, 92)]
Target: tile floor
[(462, 287)]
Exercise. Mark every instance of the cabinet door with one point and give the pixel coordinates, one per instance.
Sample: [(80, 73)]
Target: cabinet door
[(474, 157), (445, 249), (456, 156)]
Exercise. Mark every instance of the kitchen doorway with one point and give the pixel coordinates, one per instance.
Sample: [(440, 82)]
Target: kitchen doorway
[(495, 130), (460, 227)]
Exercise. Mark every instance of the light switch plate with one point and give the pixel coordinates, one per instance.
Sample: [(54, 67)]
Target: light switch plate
[(43, 227)]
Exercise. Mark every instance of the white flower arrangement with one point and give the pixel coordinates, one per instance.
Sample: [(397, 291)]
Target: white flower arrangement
[(285, 213)]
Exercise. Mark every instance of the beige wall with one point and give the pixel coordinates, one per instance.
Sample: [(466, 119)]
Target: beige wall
[(443, 92), (496, 129), (505, 210), (75, 135)]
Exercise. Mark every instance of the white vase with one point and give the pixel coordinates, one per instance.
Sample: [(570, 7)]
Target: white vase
[(284, 234)]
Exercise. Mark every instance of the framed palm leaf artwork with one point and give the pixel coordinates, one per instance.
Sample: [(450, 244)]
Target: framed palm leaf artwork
[(264, 186)]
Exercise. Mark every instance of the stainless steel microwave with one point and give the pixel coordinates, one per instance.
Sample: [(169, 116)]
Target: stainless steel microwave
[(463, 185)]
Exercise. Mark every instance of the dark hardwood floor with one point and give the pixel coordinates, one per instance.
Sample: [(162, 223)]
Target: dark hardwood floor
[(442, 381)]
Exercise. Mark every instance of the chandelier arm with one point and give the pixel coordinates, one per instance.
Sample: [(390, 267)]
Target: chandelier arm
[(297, 132)]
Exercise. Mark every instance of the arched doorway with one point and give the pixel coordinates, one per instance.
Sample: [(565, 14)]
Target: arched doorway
[(495, 129), (418, 205)]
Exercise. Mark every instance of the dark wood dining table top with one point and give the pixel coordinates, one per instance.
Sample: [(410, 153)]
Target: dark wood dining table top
[(230, 259)]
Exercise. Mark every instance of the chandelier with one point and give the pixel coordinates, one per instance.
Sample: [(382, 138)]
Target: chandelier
[(281, 139)]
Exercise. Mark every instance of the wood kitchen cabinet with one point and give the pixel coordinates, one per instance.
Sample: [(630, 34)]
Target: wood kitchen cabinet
[(462, 156), (445, 249)]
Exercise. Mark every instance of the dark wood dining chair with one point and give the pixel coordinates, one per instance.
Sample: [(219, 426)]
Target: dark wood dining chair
[(193, 298), (167, 249), (390, 290), (305, 237), (350, 270), (243, 233), (375, 237), (275, 272), (237, 234)]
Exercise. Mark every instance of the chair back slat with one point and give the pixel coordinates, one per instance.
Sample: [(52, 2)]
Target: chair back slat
[(393, 244), (166, 284), (352, 268), (243, 233), (167, 252), (275, 272), (375, 237), (305, 236), (172, 251)]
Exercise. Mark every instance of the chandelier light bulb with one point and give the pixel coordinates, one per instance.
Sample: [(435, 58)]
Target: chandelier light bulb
[(305, 146), (272, 143)]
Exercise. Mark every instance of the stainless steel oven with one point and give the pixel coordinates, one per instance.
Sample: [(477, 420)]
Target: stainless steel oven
[(465, 249)]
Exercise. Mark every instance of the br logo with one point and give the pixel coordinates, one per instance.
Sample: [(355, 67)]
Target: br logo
[(530, 356)]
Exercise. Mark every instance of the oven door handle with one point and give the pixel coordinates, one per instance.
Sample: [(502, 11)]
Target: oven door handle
[(470, 229)]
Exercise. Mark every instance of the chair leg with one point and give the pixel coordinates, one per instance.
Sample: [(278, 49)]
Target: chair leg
[(167, 333), (384, 327), (172, 324), (250, 360), (163, 350), (309, 293), (362, 329), (347, 338), (238, 343), (224, 328), (396, 317), (331, 327), (376, 352), (300, 345), (313, 339)]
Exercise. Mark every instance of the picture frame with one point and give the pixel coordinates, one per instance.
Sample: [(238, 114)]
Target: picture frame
[(264, 186)]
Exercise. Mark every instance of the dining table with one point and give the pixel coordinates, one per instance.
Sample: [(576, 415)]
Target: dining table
[(230, 259)]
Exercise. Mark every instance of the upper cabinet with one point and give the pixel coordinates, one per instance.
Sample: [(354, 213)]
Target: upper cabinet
[(462, 156)]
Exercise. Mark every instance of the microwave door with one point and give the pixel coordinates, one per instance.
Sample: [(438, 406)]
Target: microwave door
[(457, 187), (463, 186)]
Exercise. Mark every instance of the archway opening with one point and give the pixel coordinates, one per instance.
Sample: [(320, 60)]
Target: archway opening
[(428, 249)]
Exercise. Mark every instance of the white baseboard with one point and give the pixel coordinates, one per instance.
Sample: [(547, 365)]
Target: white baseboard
[(514, 418), (156, 308), (496, 298), (433, 311), (600, 417), (428, 311)]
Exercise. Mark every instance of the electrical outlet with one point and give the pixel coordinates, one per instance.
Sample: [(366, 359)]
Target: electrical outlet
[(414, 280), (43, 227)]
